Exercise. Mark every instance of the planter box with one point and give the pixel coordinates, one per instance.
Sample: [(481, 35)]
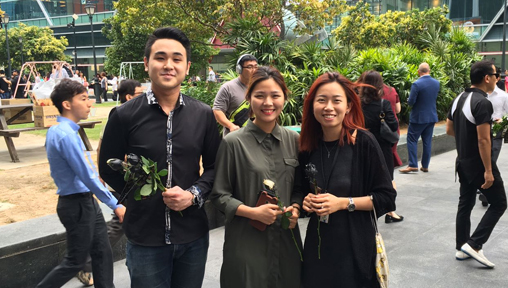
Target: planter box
[(24, 118), (45, 116)]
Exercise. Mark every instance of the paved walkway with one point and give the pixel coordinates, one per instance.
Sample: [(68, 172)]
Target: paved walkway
[(421, 249)]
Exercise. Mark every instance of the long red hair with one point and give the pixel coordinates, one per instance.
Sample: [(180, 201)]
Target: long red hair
[(311, 130)]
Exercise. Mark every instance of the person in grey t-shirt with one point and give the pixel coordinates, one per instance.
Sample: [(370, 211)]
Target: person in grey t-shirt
[(232, 93)]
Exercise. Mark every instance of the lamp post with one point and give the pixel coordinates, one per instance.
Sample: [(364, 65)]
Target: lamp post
[(5, 21), (21, 48), (75, 52), (90, 10)]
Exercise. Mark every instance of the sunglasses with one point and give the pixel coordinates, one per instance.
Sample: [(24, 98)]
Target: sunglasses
[(495, 74)]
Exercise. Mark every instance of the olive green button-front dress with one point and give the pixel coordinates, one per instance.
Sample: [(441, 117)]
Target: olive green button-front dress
[(253, 258)]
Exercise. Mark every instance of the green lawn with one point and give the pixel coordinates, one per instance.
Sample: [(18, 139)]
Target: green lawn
[(93, 134), (110, 103)]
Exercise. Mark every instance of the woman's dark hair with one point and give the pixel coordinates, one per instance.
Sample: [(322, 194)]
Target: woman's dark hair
[(264, 73), (127, 87), (311, 128), (65, 91), (168, 33), (479, 70), (373, 91)]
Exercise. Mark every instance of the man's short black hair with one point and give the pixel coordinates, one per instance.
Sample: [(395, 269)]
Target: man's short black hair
[(65, 91), (127, 87), (479, 70), (168, 33), (247, 58), (2, 72)]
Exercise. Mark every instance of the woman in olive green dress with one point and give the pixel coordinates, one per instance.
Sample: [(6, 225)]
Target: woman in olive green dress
[(261, 150)]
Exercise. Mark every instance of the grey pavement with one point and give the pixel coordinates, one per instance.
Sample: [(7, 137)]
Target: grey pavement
[(421, 249)]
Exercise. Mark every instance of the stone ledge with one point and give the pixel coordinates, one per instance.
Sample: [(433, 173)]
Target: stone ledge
[(31, 248)]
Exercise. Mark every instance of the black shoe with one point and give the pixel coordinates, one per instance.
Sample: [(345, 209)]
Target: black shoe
[(390, 219)]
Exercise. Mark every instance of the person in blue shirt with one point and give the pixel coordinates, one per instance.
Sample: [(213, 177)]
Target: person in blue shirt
[(77, 181)]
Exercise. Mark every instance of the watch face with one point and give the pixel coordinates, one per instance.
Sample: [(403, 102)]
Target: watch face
[(351, 207)]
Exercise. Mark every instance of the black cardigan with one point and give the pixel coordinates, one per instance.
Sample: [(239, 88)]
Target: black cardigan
[(370, 177)]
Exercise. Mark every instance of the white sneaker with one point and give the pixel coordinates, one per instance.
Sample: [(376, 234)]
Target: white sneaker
[(478, 256), (459, 255)]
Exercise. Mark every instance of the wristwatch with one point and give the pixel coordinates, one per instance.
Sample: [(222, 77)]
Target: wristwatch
[(194, 200), (351, 206)]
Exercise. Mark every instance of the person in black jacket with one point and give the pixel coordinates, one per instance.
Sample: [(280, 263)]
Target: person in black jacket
[(167, 232), (372, 104)]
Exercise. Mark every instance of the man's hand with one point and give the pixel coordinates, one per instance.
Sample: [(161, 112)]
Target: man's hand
[(120, 212), (233, 128), (489, 180), (177, 199)]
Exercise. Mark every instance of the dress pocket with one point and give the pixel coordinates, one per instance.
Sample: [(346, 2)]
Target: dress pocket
[(290, 165)]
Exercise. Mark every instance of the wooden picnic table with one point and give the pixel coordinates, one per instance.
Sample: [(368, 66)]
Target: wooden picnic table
[(8, 134)]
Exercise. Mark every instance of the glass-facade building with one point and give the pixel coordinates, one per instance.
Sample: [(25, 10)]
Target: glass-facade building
[(57, 14)]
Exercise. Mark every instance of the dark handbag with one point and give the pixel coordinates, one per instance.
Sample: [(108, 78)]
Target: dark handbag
[(384, 130)]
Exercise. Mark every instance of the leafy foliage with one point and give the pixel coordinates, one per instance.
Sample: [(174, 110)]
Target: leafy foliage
[(134, 20), (39, 44), (362, 30)]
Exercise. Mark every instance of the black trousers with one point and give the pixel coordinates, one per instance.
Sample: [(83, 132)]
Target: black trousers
[(104, 93), (496, 197), (86, 234), (497, 143), (115, 233)]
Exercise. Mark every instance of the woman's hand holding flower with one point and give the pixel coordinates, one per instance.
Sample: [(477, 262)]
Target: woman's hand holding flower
[(295, 214), (267, 213)]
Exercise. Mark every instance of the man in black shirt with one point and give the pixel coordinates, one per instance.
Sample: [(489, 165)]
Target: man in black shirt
[(4, 86), (470, 121), (167, 232)]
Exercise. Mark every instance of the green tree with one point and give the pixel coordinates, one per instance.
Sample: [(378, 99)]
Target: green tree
[(362, 30), (39, 44), (203, 19), (135, 20)]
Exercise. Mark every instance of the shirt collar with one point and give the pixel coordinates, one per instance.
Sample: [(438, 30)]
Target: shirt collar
[(477, 90), (153, 101), (260, 135), (71, 123), (497, 91), (241, 83)]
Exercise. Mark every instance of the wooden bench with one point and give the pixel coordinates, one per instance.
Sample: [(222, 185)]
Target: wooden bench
[(8, 133)]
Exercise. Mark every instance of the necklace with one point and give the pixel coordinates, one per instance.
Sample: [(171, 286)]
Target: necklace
[(334, 143)]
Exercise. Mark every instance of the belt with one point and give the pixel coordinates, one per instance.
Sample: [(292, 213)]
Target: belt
[(77, 195)]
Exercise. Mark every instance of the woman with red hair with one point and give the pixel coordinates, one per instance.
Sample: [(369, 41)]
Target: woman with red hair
[(350, 174)]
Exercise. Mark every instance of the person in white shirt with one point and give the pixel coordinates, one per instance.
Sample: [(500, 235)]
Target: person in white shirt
[(499, 100), (114, 84), (211, 75)]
